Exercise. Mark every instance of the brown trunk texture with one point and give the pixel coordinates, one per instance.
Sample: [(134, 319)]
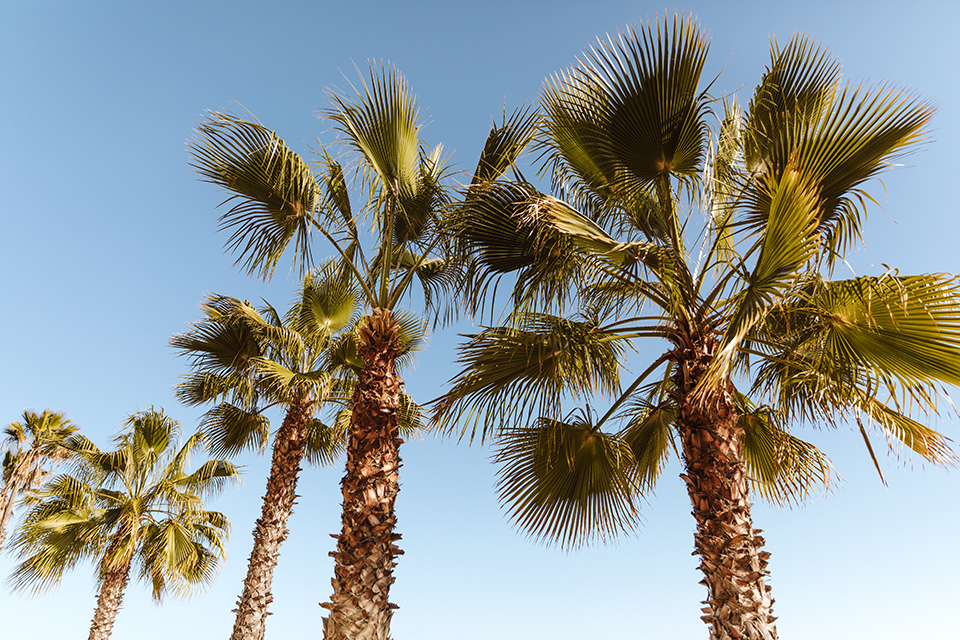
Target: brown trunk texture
[(271, 529), (739, 604), (365, 556), (7, 501), (108, 602)]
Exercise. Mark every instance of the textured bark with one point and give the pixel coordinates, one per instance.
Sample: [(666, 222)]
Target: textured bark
[(271, 529), (108, 602), (365, 556), (7, 501), (739, 604)]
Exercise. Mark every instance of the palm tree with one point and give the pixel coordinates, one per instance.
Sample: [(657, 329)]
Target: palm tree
[(279, 202), (135, 503), (253, 360), (721, 248), (32, 444)]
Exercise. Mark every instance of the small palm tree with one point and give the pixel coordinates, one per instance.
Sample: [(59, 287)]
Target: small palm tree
[(250, 361), (721, 250), (279, 203), (33, 445), (135, 504)]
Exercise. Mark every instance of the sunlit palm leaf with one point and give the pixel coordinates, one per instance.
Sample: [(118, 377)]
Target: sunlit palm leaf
[(420, 205), (632, 111), (326, 303), (324, 444), (786, 245)]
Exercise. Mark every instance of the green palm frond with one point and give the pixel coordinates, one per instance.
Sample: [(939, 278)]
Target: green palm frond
[(565, 482), (721, 177), (326, 303), (905, 326), (796, 88), (223, 342), (338, 192), (418, 207), (648, 434), (494, 230), (631, 112), (232, 430), (838, 138), (324, 444), (276, 194), (505, 144), (919, 438), (591, 238), (784, 469), (510, 374), (201, 388), (788, 242), (210, 478), (381, 124)]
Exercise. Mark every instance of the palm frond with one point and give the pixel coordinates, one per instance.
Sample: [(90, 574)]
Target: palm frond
[(381, 125), (505, 143), (276, 194), (784, 469), (648, 434), (565, 482), (232, 430), (512, 374)]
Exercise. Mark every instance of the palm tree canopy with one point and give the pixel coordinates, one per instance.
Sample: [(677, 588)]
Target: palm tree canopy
[(249, 359), (277, 200), (769, 198), (136, 503)]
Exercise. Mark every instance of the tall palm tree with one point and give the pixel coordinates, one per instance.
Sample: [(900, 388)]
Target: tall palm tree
[(719, 246), (250, 361), (31, 446), (136, 503), (280, 202)]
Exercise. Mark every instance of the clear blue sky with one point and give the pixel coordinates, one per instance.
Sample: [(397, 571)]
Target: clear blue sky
[(109, 243)]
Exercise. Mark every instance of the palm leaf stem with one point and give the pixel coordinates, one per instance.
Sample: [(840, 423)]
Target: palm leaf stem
[(873, 456), (611, 326), (622, 276), (633, 387), (651, 332), (386, 254), (411, 272), (347, 261)]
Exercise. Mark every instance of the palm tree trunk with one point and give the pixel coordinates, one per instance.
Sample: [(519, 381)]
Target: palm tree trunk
[(9, 498), (365, 555), (108, 602), (271, 528), (738, 604)]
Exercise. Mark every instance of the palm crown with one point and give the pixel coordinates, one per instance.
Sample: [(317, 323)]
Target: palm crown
[(135, 504), (33, 444), (758, 337)]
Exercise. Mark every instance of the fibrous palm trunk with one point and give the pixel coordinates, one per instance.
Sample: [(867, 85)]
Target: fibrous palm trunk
[(365, 555), (7, 500), (113, 585), (739, 604), (271, 528)]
